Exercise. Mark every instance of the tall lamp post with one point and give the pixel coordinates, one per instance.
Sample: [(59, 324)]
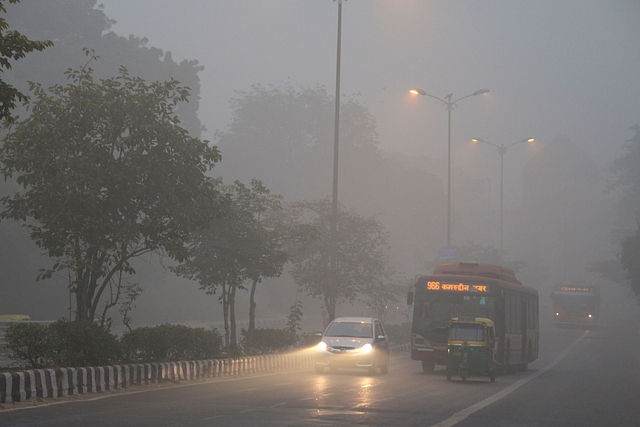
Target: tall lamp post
[(334, 207), (502, 149), (449, 105)]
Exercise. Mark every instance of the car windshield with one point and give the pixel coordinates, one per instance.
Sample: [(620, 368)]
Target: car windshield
[(349, 329), (467, 332)]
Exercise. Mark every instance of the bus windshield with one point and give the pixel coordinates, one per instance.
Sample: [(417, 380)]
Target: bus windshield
[(433, 310), (577, 301), (441, 306)]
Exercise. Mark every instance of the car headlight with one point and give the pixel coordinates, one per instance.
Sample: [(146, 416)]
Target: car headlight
[(366, 348), (322, 346)]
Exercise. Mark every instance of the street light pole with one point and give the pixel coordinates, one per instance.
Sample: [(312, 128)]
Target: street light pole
[(449, 105), (502, 149), (334, 208)]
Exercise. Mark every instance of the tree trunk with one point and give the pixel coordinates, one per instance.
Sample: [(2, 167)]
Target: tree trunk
[(330, 305), (252, 314), (232, 316), (225, 314)]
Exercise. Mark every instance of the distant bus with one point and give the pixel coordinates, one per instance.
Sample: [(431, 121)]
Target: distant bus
[(575, 304), (474, 290)]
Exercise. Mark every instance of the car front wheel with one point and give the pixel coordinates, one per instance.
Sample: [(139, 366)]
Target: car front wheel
[(384, 369)]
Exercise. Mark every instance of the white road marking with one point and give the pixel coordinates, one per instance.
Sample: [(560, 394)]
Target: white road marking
[(211, 418), (278, 404), (463, 414)]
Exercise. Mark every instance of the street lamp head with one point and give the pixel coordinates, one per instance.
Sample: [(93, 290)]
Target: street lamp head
[(531, 140), (475, 140), (417, 92), (480, 92)]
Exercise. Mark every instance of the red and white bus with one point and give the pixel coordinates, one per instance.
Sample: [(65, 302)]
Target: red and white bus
[(474, 290), (575, 304)]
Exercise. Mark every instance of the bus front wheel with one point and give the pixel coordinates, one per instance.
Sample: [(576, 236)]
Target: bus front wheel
[(428, 366)]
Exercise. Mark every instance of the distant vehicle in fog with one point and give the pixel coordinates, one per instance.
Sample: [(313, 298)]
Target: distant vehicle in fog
[(575, 304)]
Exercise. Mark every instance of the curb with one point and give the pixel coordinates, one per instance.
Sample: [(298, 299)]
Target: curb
[(62, 382)]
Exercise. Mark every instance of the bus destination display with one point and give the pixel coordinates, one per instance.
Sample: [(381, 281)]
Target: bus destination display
[(456, 287), (574, 289)]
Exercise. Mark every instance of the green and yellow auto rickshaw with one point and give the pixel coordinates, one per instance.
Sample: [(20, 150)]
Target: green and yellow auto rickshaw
[(471, 348)]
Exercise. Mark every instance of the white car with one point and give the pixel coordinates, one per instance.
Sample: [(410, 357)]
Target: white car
[(353, 342)]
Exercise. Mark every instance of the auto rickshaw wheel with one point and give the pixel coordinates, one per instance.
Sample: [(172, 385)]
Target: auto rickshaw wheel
[(428, 366), (492, 376)]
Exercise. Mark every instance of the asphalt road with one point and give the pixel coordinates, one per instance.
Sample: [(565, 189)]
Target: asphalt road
[(582, 378)]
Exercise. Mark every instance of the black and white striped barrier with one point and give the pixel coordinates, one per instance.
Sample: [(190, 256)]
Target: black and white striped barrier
[(61, 382)]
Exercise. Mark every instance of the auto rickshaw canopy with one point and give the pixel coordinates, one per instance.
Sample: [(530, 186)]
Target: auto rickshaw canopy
[(463, 329)]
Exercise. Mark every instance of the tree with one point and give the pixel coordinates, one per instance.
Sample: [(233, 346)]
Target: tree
[(627, 181), (630, 259), (362, 264), (284, 135), (107, 175), (73, 25), (13, 46), (78, 24), (246, 245)]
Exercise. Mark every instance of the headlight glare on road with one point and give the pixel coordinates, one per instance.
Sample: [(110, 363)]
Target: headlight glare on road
[(366, 348)]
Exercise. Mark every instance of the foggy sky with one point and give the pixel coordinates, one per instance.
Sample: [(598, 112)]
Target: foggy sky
[(553, 67)]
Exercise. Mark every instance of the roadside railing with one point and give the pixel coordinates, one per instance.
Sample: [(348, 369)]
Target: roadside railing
[(61, 382)]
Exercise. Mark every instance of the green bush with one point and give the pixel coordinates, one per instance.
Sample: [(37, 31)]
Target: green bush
[(399, 334), (269, 340), (62, 343), (169, 343), (29, 343), (83, 344)]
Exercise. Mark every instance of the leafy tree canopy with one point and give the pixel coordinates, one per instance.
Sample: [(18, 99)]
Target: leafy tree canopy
[(362, 264), (78, 24), (107, 174), (630, 259), (627, 180), (624, 268), (246, 245), (13, 46), (284, 134)]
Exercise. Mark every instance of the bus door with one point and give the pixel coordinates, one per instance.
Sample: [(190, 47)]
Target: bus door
[(500, 328), (523, 347)]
